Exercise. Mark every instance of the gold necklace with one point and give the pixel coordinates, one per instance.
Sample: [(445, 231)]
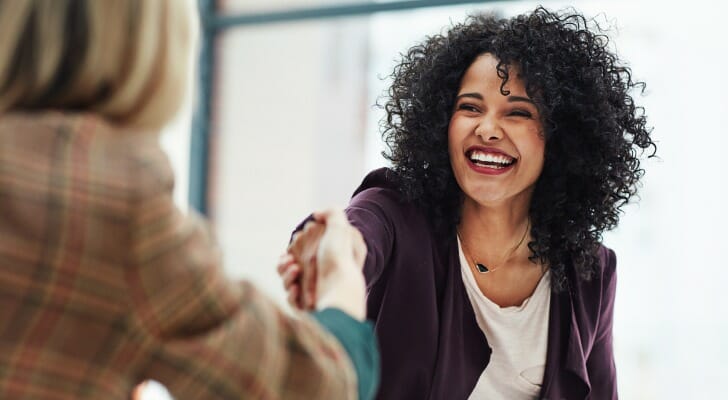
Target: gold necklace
[(480, 266)]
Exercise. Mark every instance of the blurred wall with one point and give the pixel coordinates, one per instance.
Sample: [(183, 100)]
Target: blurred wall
[(288, 121)]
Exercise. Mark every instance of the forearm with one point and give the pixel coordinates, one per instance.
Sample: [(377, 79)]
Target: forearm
[(255, 352), (204, 337)]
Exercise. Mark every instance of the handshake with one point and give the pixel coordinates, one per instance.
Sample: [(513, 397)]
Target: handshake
[(322, 267)]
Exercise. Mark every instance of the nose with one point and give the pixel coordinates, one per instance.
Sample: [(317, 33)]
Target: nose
[(489, 130)]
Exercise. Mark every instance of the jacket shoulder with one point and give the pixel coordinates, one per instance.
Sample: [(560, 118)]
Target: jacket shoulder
[(607, 263), (382, 178), (103, 164), (379, 193)]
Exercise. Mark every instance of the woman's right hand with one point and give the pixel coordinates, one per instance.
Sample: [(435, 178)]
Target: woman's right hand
[(323, 265)]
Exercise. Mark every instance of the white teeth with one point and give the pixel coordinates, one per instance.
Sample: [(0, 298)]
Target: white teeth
[(490, 157)]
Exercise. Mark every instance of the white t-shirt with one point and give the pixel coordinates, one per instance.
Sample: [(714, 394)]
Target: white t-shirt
[(518, 336)]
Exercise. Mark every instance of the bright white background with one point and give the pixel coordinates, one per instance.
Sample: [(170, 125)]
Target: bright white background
[(295, 131)]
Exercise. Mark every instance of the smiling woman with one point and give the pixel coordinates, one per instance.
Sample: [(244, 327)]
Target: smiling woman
[(514, 143)]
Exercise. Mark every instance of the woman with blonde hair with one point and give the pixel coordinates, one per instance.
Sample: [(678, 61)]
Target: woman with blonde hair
[(104, 283)]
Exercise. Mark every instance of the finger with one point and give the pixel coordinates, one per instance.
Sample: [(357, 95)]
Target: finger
[(330, 215), (308, 283), (291, 276), (313, 286), (293, 238), (294, 296), (308, 226), (309, 243), (335, 221), (299, 236), (304, 238), (294, 243), (284, 261)]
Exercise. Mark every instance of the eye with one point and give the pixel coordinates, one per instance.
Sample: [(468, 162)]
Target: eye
[(468, 107), (520, 113)]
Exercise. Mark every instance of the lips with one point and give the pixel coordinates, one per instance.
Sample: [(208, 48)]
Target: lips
[(490, 159)]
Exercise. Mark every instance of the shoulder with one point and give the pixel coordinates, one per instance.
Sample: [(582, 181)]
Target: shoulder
[(603, 274), (380, 190), (379, 194), (123, 159), (149, 167), (607, 270), (383, 178), (379, 185), (597, 294), (85, 153)]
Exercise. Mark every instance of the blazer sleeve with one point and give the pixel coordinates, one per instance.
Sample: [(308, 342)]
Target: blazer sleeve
[(371, 211), (204, 336), (600, 363)]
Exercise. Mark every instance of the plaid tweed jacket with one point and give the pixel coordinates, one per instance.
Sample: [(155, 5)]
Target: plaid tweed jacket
[(104, 283)]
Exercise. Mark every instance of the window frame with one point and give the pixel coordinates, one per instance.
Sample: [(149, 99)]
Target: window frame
[(213, 23)]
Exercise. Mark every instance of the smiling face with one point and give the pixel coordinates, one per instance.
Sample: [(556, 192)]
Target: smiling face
[(495, 142)]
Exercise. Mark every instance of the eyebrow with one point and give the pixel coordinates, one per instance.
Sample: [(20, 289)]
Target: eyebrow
[(470, 95), (511, 99)]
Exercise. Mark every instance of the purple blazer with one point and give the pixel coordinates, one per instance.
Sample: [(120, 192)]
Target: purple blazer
[(431, 345)]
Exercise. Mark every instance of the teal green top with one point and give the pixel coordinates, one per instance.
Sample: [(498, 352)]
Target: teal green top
[(359, 341)]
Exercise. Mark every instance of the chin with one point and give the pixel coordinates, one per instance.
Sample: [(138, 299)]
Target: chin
[(485, 197)]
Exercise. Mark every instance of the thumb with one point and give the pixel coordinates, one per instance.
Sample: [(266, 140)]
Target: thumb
[(331, 216)]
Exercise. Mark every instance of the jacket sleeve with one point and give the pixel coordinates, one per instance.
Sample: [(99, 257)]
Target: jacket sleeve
[(368, 212), (205, 337), (600, 363)]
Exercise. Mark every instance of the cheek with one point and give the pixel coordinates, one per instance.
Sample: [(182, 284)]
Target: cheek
[(536, 149), (452, 138), (537, 146), (457, 130), (532, 146)]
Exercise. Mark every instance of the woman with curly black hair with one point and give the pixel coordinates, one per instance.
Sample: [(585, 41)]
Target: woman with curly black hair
[(514, 145)]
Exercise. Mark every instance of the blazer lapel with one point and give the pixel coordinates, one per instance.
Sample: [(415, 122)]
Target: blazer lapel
[(566, 375), (575, 358)]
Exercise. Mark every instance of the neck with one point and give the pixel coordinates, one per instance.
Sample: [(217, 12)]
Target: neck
[(491, 231)]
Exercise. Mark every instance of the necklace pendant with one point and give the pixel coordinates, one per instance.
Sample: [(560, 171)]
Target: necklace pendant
[(482, 268)]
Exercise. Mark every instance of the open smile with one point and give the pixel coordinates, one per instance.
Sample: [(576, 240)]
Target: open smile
[(489, 161)]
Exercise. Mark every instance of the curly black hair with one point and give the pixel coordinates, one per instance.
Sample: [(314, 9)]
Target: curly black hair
[(594, 132)]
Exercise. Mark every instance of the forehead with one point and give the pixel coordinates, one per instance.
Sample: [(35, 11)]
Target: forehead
[(482, 75)]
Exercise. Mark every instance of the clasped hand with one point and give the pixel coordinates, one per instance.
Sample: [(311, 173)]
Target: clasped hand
[(322, 266)]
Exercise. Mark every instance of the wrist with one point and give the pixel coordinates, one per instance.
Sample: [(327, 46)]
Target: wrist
[(346, 292)]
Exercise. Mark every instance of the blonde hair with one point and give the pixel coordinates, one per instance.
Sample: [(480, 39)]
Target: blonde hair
[(124, 59)]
